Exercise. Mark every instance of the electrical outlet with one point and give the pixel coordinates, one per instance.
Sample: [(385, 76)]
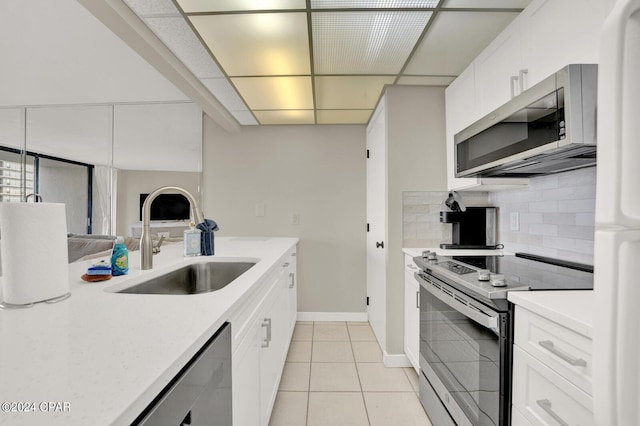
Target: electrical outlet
[(295, 218), (164, 234), (514, 221), (260, 210)]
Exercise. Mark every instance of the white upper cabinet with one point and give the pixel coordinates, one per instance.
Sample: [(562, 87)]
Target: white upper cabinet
[(556, 33), (498, 69)]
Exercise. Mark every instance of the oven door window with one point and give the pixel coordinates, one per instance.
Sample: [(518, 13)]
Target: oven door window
[(464, 356)]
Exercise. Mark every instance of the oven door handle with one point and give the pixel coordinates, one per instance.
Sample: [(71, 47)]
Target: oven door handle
[(483, 318)]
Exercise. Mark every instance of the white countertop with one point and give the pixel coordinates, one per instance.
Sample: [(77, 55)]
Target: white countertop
[(108, 355), (573, 309), (413, 252)]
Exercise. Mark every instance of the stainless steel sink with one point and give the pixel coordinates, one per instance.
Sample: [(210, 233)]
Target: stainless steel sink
[(192, 279)]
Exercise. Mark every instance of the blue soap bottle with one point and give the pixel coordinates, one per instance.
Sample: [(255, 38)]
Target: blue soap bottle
[(119, 258)]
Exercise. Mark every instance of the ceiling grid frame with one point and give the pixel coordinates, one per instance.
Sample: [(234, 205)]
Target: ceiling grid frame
[(311, 7)]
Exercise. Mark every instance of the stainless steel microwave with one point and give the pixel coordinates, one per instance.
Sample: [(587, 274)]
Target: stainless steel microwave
[(548, 128)]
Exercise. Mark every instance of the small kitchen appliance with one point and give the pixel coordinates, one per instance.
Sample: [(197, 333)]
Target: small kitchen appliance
[(466, 330), (473, 228)]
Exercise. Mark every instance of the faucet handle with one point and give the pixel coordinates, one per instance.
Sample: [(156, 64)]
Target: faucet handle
[(156, 248)]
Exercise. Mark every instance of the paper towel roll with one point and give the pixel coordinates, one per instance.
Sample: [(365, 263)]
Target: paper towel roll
[(33, 240)]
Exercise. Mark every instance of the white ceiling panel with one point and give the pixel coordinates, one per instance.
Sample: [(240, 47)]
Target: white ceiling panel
[(257, 43), (176, 34), (349, 92), (481, 4), (225, 93), (190, 6), (364, 42), (371, 4), (430, 80), (285, 117), (455, 39), (344, 116), (262, 93)]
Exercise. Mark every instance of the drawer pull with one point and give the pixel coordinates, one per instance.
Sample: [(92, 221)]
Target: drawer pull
[(418, 299), (548, 345), (545, 404)]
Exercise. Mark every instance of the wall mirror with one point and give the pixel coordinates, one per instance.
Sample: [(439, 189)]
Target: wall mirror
[(98, 159)]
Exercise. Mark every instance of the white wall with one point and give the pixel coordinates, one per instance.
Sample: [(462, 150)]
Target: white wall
[(416, 161), (315, 171), (56, 52), (132, 183), (557, 216)]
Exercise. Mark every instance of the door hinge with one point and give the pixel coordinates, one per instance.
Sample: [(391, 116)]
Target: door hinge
[(367, 153), (367, 300), (367, 227)]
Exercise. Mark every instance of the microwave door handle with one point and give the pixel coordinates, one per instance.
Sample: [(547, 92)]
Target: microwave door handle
[(481, 317)]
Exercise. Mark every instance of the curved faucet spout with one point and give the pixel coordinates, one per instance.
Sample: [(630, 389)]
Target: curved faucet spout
[(146, 248)]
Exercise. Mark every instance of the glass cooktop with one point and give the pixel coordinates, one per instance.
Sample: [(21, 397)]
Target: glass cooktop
[(537, 272)]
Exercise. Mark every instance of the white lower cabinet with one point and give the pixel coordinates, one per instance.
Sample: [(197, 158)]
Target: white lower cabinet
[(551, 373), (411, 313), (262, 333)]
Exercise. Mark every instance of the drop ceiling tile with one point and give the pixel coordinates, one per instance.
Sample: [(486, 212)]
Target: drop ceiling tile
[(275, 92), (190, 6), (371, 4), (177, 35), (455, 39), (344, 116), (225, 93), (245, 118), (257, 43), (285, 117), (146, 8), (475, 4), (431, 80), (364, 42), (360, 92)]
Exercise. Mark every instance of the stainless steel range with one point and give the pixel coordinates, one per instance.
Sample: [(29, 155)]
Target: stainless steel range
[(466, 329)]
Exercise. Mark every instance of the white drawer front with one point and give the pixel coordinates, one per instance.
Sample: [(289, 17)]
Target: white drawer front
[(545, 398), (517, 418), (563, 350)]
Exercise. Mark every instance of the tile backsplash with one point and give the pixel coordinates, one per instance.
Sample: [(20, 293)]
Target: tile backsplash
[(556, 216), (421, 216)]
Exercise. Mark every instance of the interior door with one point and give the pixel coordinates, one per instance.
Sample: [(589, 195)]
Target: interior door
[(376, 218)]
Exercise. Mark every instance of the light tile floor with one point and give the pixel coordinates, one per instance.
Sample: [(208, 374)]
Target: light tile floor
[(334, 376)]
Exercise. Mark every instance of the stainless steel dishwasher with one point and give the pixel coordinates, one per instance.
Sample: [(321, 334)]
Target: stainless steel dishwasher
[(201, 393)]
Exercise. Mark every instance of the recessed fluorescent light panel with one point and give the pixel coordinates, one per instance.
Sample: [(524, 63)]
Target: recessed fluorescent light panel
[(191, 6), (364, 42), (372, 4), (257, 43)]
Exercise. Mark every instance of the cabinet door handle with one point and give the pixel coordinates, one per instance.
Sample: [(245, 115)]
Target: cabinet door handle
[(548, 345), (512, 81), (545, 404), (292, 277), (285, 265), (293, 254), (521, 76), (380, 244), (266, 324), (418, 299)]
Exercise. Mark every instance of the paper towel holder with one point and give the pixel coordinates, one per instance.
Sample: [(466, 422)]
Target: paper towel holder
[(5, 305)]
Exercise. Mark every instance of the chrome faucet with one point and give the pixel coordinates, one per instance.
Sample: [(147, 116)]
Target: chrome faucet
[(146, 248)]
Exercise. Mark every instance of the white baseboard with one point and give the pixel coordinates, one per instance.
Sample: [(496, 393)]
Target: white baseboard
[(396, 360), (332, 316)]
